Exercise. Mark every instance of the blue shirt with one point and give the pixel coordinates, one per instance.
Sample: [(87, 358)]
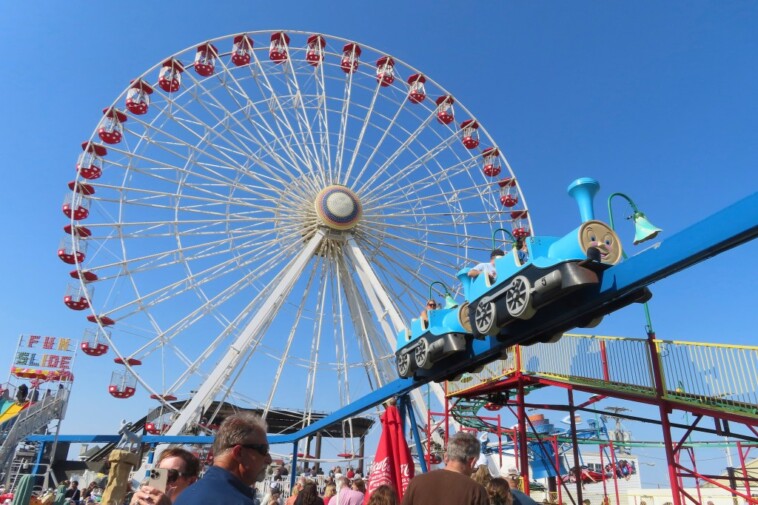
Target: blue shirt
[(217, 486)]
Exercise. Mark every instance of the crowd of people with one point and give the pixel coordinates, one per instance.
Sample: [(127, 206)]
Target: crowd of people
[(241, 460)]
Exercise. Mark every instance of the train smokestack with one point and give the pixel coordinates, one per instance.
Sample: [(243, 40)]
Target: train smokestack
[(583, 190)]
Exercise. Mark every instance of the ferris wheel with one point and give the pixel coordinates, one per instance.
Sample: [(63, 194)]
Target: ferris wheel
[(255, 217)]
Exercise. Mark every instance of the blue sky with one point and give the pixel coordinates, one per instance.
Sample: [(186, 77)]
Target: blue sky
[(655, 100)]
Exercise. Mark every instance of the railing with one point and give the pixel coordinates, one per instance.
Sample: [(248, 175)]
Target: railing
[(32, 419), (719, 376)]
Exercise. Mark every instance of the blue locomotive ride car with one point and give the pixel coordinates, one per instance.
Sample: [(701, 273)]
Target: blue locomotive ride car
[(545, 274)]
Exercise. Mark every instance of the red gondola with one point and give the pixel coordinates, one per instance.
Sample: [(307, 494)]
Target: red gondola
[(75, 298), (90, 164), (491, 157), (345, 455), (242, 50), (519, 230), (111, 130), (469, 134), (77, 230), (509, 200), (165, 398), (123, 384), (350, 54), (170, 76), (103, 320), (66, 252), (492, 407), (130, 361), (445, 109), (81, 188), (93, 348), (85, 275), (205, 59), (138, 97), (76, 206), (277, 51), (315, 52), (385, 71), (416, 93)]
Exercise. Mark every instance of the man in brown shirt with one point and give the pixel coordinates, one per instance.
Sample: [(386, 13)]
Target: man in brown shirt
[(453, 484)]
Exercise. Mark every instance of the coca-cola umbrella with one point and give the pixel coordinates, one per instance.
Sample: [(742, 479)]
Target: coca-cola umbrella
[(393, 464)]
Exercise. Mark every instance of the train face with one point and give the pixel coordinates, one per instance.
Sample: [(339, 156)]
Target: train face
[(554, 268)]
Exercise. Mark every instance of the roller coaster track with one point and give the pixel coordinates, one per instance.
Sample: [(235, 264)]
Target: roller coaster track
[(700, 378), (732, 226)]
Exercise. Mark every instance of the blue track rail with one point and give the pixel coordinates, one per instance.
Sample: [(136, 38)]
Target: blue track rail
[(621, 284)]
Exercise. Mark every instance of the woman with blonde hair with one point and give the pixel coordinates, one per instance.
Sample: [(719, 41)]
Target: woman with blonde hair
[(329, 491), (482, 475)]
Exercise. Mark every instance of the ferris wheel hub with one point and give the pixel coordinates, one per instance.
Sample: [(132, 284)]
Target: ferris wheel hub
[(338, 207)]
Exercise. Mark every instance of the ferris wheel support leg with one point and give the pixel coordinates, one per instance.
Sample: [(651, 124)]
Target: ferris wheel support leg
[(226, 366), (372, 284)]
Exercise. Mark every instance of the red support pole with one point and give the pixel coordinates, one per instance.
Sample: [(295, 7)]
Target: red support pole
[(604, 360), (522, 441), (500, 440), (614, 466), (663, 408), (575, 448), (602, 470), (745, 474), (691, 452), (447, 419)]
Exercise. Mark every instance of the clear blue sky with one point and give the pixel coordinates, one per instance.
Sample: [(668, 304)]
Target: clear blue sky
[(657, 100)]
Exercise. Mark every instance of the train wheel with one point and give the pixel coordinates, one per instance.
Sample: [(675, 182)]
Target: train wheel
[(404, 364), (518, 298), (485, 317), (421, 354)]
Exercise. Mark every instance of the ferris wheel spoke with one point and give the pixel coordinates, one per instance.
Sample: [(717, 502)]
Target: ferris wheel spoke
[(380, 171), (245, 136), (312, 369), (281, 120), (145, 301), (444, 172), (344, 117), (248, 337), (322, 116), (304, 125), (359, 141), (377, 370), (282, 361)]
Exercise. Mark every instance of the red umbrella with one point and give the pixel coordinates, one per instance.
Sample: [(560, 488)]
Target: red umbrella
[(392, 464)]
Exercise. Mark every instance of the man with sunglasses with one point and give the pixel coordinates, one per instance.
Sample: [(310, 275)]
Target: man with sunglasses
[(183, 470), (240, 460), (430, 305)]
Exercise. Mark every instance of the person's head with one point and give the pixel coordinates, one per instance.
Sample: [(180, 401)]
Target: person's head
[(383, 495), (462, 453), (499, 491), (241, 447), (308, 495), (482, 475), (343, 482), (586, 502), (74, 484), (183, 470), (496, 253), (513, 478), (330, 490), (359, 485), (431, 304)]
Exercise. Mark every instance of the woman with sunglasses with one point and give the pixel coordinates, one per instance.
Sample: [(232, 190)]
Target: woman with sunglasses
[(183, 470), (430, 305)]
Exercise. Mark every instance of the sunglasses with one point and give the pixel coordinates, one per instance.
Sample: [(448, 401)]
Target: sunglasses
[(173, 475), (431, 305), (262, 449)]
